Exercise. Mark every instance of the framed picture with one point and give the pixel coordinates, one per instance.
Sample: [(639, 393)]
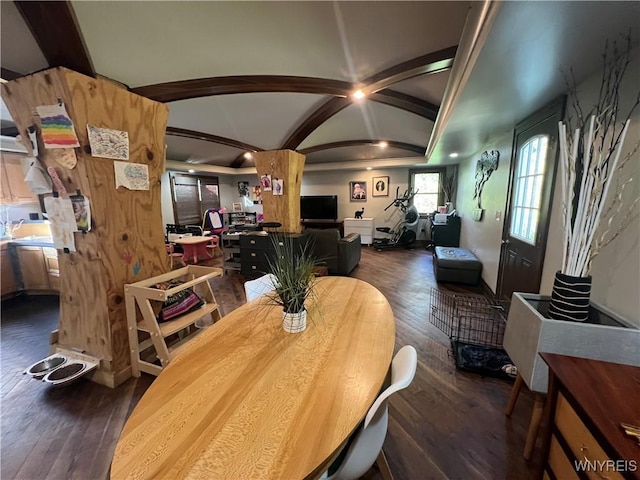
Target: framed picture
[(237, 207), (358, 191), (380, 186), (243, 189)]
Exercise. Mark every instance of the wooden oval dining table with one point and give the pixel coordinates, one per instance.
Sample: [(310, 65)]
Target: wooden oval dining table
[(246, 400)]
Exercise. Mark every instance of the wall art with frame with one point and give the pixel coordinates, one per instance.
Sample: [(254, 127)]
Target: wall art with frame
[(358, 191), (380, 187)]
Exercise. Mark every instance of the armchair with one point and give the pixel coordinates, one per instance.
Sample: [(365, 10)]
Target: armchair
[(339, 255)]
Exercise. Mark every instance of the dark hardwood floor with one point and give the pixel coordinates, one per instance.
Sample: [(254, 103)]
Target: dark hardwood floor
[(446, 425)]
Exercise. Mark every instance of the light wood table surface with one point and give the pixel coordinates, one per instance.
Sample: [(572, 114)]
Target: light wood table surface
[(246, 400)]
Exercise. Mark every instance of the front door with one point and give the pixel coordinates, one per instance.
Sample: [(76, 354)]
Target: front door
[(532, 178)]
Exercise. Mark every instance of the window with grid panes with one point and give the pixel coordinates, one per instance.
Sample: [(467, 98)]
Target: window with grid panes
[(528, 183), (429, 196)]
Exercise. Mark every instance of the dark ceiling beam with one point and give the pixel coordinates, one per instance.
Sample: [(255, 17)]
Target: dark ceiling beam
[(406, 102), (9, 75), (205, 87), (313, 121), (55, 28), (358, 143), (207, 137), (425, 64)]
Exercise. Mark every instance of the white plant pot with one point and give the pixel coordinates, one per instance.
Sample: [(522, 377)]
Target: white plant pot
[(294, 322)]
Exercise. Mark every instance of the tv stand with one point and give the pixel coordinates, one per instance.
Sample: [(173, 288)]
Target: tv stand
[(322, 224)]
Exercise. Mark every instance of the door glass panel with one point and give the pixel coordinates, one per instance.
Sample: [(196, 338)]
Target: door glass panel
[(529, 180)]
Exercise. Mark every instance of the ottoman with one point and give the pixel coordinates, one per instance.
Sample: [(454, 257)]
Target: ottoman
[(456, 265)]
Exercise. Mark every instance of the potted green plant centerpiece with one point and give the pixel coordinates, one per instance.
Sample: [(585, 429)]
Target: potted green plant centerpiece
[(293, 269)]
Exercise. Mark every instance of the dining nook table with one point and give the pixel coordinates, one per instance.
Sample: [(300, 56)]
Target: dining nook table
[(246, 400), (194, 247)]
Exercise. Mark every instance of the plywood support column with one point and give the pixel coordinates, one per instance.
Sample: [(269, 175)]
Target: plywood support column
[(126, 242), (287, 165)]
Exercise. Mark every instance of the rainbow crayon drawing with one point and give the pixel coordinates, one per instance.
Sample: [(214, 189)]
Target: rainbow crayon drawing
[(57, 128)]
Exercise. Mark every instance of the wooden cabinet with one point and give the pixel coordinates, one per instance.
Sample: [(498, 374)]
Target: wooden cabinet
[(14, 188), (53, 270), (363, 226), (8, 282), (256, 248), (32, 268), (589, 399), (446, 234)]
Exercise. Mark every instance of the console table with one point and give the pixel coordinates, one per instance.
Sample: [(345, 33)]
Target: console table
[(589, 399), (322, 224)]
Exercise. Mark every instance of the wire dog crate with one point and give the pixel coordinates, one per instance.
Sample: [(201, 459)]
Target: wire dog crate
[(475, 325)]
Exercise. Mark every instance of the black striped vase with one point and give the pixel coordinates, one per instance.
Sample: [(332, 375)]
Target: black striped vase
[(570, 298)]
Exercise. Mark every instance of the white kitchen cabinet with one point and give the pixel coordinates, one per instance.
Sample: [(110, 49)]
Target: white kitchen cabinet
[(363, 226)]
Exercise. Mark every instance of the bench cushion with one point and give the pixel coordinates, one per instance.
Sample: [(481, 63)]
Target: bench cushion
[(456, 265), (459, 258)]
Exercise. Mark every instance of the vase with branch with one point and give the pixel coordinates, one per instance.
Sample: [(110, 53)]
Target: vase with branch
[(447, 186), (591, 144)]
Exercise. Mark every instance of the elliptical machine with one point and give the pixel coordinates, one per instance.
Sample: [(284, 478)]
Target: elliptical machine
[(403, 233)]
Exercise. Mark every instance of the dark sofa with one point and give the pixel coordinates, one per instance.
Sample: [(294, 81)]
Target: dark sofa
[(339, 255)]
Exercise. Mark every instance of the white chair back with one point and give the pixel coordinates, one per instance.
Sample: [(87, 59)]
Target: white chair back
[(261, 285), (367, 443)]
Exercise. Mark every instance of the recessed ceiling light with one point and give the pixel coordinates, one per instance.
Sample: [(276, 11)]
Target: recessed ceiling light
[(191, 170), (383, 144), (369, 168), (453, 155), (248, 155), (358, 94)]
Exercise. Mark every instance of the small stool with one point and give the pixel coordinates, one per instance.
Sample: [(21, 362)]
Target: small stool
[(457, 265), (214, 244), (173, 254)]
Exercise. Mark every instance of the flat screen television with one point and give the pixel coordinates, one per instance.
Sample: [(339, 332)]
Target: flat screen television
[(319, 207)]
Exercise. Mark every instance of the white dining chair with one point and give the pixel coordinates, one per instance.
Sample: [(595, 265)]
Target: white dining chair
[(261, 285), (365, 447)]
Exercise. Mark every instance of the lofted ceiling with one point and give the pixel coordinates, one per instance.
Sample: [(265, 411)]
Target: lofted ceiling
[(250, 76)]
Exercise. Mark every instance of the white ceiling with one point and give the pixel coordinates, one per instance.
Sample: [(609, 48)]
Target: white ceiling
[(517, 71)]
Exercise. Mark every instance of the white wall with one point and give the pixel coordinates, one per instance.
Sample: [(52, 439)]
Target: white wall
[(483, 238), (321, 183), (337, 183), (165, 198), (616, 270)]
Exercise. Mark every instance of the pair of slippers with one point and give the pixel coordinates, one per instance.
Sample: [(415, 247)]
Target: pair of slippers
[(510, 369)]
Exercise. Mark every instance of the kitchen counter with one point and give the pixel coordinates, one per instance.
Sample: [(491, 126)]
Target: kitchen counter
[(32, 241)]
